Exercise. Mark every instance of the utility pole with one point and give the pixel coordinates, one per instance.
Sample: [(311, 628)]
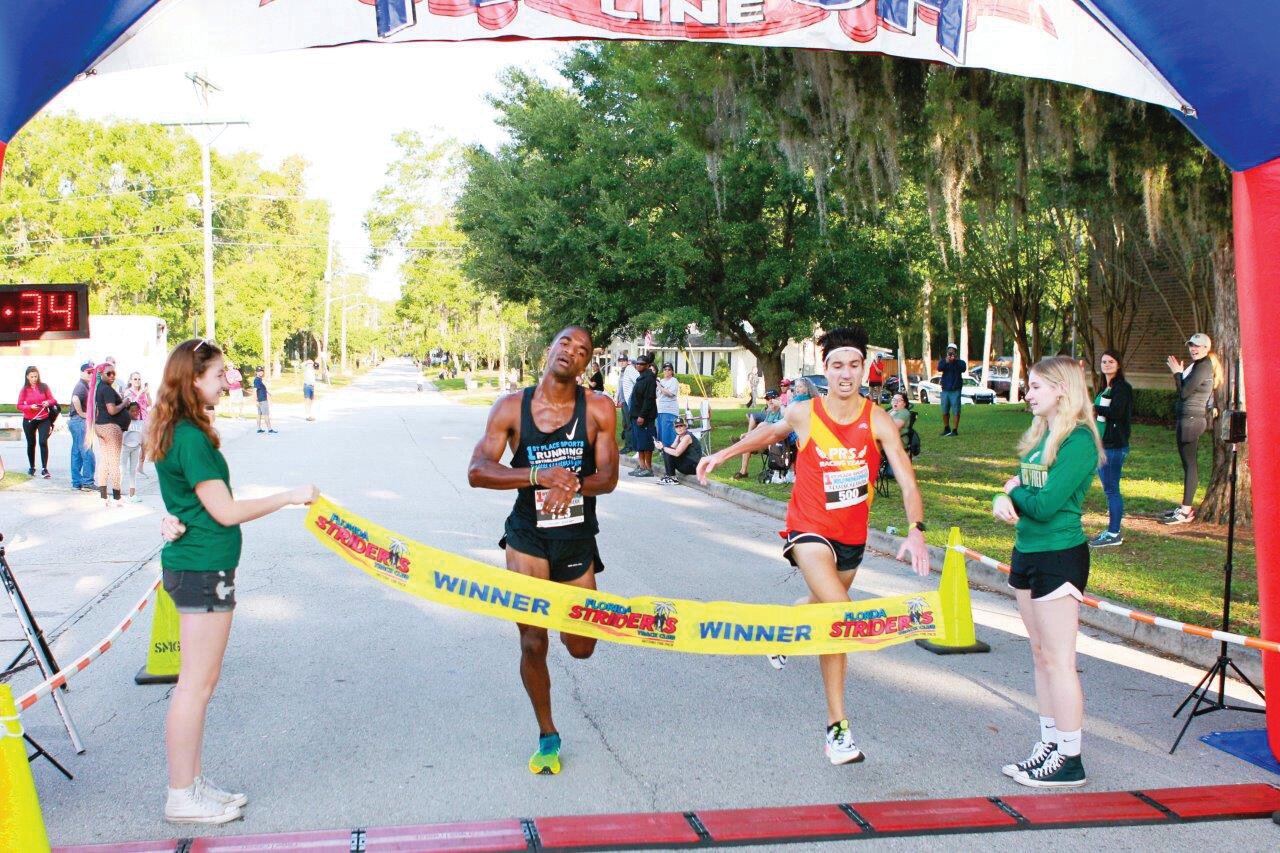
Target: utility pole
[(328, 300), (266, 342), (203, 87)]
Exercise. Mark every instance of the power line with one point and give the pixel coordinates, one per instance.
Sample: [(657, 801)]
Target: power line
[(114, 236), (61, 199)]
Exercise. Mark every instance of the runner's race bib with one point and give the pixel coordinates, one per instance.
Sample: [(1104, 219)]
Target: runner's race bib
[(846, 488), (573, 514)]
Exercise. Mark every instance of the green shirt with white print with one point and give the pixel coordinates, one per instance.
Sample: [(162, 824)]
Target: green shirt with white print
[(1050, 499)]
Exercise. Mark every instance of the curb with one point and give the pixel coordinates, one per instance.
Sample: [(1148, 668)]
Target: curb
[(1193, 651)]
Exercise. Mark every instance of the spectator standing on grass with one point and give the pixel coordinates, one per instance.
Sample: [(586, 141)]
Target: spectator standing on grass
[(131, 452), (772, 414), (1196, 381), (1113, 411), (752, 378), (595, 378), (308, 386), (644, 415), (82, 459), (875, 378), (952, 382), (264, 407), (668, 404), (681, 455), (627, 375), (39, 410)]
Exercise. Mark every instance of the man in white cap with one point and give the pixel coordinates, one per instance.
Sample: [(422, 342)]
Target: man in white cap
[(952, 381)]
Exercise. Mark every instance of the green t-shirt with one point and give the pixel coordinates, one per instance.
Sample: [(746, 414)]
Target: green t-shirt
[(1051, 499), (207, 546)]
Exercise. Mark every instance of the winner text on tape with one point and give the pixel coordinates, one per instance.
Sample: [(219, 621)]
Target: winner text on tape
[(708, 627)]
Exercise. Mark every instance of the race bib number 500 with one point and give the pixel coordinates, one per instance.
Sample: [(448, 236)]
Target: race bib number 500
[(846, 488), (573, 514)]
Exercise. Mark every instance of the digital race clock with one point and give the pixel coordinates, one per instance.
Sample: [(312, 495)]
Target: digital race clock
[(33, 312)]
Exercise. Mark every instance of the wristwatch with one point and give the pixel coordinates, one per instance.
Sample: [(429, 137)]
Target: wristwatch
[(919, 525)]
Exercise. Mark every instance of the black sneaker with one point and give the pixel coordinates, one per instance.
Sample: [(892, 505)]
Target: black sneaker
[(1179, 516), (1057, 771), (945, 433), (1039, 753)]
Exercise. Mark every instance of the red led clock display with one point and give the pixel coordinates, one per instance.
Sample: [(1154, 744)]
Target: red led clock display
[(32, 312)]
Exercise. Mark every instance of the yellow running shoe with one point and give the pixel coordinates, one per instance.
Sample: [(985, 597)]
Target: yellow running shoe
[(547, 759)]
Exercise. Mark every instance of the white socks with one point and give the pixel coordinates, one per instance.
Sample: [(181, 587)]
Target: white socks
[(1069, 743), (1048, 730)]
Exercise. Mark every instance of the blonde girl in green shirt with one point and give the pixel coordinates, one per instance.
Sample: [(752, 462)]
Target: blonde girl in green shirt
[(1059, 456), (199, 562)]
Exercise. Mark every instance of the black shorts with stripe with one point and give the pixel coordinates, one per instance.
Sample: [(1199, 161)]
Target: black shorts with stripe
[(847, 557)]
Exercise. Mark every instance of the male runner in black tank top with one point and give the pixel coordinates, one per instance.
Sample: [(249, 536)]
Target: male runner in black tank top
[(563, 454)]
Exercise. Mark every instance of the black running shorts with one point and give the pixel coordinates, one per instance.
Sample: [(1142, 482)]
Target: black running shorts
[(1045, 573), (848, 557), (569, 558), (201, 592)]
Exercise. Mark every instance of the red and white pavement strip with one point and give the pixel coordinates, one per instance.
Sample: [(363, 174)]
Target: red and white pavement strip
[(58, 679), (795, 824)]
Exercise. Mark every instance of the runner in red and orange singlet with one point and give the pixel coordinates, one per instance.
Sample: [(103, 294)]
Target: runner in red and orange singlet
[(841, 438)]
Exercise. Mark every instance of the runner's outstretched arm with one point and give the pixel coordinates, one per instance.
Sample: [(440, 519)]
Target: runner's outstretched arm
[(601, 410), (796, 420), (885, 430)]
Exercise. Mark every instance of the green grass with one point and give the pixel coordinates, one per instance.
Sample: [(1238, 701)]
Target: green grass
[(11, 479), (1174, 572), (8, 408)]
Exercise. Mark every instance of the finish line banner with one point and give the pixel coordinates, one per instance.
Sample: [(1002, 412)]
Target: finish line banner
[(710, 627)]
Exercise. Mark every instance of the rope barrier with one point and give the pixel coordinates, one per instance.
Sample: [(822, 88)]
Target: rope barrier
[(60, 678), (1140, 615)]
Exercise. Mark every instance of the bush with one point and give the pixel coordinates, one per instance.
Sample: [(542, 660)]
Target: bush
[(1154, 405), (722, 383), (698, 384)]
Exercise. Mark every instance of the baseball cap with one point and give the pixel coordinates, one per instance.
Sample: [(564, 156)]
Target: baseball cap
[(772, 394), (623, 357), (647, 358), (88, 365), (786, 383), (954, 347), (666, 365), (1199, 339), (680, 421)]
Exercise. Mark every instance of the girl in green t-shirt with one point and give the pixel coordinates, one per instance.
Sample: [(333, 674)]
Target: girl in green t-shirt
[(199, 562), (1060, 454)]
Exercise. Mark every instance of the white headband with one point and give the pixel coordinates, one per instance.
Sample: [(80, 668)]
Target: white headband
[(827, 357)]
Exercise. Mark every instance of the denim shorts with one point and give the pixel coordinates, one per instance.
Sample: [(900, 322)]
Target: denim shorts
[(950, 402), (201, 592)]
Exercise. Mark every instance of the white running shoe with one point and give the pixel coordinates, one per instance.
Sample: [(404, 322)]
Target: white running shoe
[(231, 799), (1039, 754), (777, 661), (840, 746), (195, 805)]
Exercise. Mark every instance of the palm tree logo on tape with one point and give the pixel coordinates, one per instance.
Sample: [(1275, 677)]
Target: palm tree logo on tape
[(395, 551), (662, 611), (915, 610)]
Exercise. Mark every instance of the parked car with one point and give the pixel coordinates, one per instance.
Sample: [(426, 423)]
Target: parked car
[(931, 391), (998, 379)]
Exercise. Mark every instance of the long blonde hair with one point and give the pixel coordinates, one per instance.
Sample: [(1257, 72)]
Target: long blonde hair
[(1074, 409)]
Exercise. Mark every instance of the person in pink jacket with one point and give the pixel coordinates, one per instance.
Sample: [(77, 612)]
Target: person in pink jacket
[(39, 409)]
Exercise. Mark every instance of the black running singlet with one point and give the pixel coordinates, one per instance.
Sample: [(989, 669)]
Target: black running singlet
[(564, 447)]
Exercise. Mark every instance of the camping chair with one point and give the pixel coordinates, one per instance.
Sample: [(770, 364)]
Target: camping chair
[(702, 432), (885, 482)]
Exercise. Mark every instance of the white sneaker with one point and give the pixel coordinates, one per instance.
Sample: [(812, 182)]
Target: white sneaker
[(840, 746), (777, 661), (231, 799), (194, 805)]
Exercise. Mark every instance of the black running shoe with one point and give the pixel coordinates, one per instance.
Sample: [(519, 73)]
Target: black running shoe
[(1039, 753), (1057, 771)]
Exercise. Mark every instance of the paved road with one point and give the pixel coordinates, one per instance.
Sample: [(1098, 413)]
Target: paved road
[(345, 703)]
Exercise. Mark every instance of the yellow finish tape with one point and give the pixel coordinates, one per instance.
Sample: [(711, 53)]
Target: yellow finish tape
[(707, 627)]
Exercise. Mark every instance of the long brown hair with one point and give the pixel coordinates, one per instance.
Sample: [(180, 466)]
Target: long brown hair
[(177, 400), (26, 383)]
